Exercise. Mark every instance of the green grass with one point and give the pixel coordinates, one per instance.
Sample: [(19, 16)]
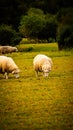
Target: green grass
[(31, 103), (37, 48)]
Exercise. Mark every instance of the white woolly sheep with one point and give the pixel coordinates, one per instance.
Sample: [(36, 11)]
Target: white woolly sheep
[(7, 65), (7, 49), (42, 63)]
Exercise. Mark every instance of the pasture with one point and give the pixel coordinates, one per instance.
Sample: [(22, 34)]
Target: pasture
[(31, 103)]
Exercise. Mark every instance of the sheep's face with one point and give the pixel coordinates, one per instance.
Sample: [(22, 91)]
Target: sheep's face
[(16, 73), (15, 49), (46, 69)]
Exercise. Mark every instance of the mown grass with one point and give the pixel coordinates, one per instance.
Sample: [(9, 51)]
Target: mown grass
[(31, 103), (37, 48)]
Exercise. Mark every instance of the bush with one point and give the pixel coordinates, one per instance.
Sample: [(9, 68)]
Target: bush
[(65, 29), (65, 37), (31, 25), (37, 25), (8, 36), (50, 29)]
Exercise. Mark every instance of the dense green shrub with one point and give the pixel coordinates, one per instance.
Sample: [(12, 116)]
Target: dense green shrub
[(65, 28), (8, 36), (39, 26), (65, 16), (50, 28), (32, 24), (65, 37)]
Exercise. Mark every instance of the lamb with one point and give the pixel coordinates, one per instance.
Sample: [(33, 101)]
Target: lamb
[(42, 63), (7, 49), (7, 65)]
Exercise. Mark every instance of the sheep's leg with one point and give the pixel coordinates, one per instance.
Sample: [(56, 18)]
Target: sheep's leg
[(6, 76), (36, 73)]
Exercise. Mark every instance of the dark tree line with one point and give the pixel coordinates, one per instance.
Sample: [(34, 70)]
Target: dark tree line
[(12, 10), (56, 22)]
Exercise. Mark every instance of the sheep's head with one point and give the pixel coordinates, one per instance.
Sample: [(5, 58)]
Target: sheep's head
[(46, 69), (15, 49), (16, 73)]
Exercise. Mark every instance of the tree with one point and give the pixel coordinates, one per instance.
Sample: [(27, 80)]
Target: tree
[(32, 24), (50, 29), (38, 25), (8, 36), (65, 29), (11, 11)]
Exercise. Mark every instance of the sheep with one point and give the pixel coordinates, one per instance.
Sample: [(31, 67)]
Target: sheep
[(7, 49), (42, 63), (7, 65)]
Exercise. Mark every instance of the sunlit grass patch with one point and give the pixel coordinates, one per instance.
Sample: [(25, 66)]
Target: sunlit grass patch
[(37, 47)]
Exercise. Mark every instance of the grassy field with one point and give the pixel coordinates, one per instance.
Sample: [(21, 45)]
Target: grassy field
[(31, 103)]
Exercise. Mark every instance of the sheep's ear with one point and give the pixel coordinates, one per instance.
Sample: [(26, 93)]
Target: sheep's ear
[(12, 72)]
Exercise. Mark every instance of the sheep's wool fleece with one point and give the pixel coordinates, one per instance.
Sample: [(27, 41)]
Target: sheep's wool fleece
[(39, 60), (7, 63)]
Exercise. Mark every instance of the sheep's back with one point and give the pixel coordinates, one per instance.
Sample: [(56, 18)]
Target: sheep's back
[(11, 64), (3, 63), (40, 59)]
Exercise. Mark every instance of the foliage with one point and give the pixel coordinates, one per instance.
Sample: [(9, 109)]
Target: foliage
[(12, 10), (65, 37), (50, 29), (65, 16), (65, 29), (38, 25), (32, 24), (8, 36), (35, 11)]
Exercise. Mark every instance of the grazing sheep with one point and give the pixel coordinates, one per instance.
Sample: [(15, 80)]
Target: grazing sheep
[(42, 63), (7, 49), (7, 65)]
